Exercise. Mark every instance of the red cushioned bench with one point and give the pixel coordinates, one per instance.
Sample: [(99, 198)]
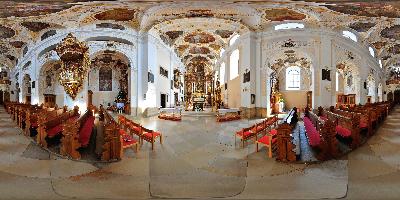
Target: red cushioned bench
[(86, 131), (313, 135)]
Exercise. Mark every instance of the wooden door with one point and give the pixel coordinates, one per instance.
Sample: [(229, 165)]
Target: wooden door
[(1, 97), (390, 96), (397, 96), (163, 99), (309, 99), (6, 96)]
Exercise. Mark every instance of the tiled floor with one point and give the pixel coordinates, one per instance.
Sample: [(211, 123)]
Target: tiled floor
[(199, 159)]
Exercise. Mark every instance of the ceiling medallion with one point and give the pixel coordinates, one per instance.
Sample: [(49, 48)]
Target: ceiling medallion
[(75, 64)]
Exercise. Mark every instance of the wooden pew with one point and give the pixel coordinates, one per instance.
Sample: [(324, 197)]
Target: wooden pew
[(113, 141), (284, 143), (32, 118), (347, 125), (321, 134), (50, 123), (76, 134)]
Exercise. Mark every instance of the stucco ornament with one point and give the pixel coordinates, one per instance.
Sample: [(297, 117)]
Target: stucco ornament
[(75, 64)]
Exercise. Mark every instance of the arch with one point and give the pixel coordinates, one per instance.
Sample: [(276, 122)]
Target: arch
[(350, 35), (26, 89), (120, 53), (371, 51), (233, 39), (48, 84), (290, 25), (109, 38), (109, 77)]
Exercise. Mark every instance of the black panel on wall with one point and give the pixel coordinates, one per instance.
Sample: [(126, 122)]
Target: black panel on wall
[(365, 85), (33, 84), (326, 74), (226, 86), (246, 77), (150, 77)]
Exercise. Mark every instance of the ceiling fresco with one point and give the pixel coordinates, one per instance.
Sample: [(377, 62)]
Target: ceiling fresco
[(6, 32), (224, 33), (199, 50), (283, 14), (395, 49), (35, 26), (173, 34), (367, 9), (3, 49), (362, 26), (379, 45), (17, 44), (199, 38), (391, 32), (118, 14), (194, 28)]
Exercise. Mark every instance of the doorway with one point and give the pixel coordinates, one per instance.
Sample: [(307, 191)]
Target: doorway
[(1, 97), (397, 96), (390, 96), (163, 100), (309, 99)]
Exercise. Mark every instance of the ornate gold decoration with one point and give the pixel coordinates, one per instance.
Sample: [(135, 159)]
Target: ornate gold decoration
[(75, 64)]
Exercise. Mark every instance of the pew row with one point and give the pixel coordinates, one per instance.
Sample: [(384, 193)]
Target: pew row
[(76, 134)]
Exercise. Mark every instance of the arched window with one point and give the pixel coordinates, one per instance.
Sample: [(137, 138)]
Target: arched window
[(233, 39), (350, 35), (222, 73), (105, 79), (293, 78), (289, 26), (221, 52), (371, 51), (234, 64), (337, 81)]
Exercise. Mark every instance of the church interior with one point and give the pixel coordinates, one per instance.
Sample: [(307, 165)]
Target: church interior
[(157, 99)]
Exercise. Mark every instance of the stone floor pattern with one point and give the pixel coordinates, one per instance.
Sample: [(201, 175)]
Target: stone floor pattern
[(199, 159)]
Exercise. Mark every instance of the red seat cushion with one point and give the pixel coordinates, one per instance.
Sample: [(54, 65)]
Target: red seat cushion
[(128, 140), (54, 131), (122, 132), (265, 140), (323, 118), (363, 124), (274, 132), (149, 135), (244, 134), (343, 131), (135, 128), (86, 131)]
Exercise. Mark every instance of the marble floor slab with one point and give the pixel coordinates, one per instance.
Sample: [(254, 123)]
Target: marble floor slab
[(199, 159)]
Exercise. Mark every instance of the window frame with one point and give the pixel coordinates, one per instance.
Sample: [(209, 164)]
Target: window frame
[(233, 75), (290, 78), (290, 25)]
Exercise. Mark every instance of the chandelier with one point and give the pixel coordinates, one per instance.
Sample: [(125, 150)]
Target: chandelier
[(75, 63)]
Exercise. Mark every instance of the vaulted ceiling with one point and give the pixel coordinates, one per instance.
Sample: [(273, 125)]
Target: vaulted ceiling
[(197, 30)]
